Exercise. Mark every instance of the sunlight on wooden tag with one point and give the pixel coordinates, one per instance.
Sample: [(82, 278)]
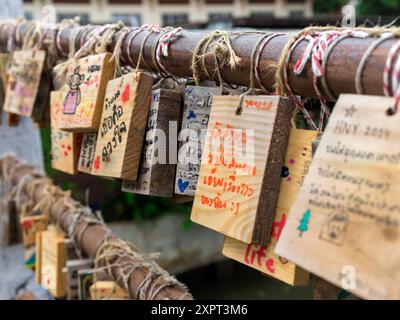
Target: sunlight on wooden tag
[(194, 125), (65, 146), (123, 123), (297, 161), (86, 155), (156, 175), (53, 258), (344, 225), (84, 91), (23, 81), (241, 166)]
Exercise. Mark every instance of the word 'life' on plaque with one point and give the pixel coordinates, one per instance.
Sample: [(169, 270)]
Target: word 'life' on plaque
[(345, 224)]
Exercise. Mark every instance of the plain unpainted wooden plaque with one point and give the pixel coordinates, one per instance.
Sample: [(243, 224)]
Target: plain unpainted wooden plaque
[(237, 192), (297, 161), (86, 155), (195, 118), (65, 146), (53, 258), (156, 178), (344, 225), (123, 123), (84, 92), (23, 81)]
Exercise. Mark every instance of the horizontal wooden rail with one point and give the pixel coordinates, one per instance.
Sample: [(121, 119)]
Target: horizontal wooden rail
[(340, 72), (89, 237)]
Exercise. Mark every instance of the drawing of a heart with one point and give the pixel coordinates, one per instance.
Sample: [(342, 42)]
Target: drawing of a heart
[(96, 163), (182, 185), (125, 94)]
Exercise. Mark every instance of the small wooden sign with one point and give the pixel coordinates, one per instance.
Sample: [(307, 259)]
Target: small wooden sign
[(241, 165), (122, 126), (53, 258), (30, 225), (156, 175), (71, 271), (107, 290), (345, 223), (30, 256), (86, 155), (65, 146), (194, 125), (23, 81), (84, 91), (297, 161)]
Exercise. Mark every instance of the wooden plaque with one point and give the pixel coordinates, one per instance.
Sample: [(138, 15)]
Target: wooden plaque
[(107, 290), (86, 155), (241, 165), (52, 260), (84, 91), (23, 81), (194, 125), (297, 161), (30, 225), (122, 126), (65, 146), (156, 174), (345, 223)]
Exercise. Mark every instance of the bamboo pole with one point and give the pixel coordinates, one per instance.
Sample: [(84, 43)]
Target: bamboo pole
[(340, 72), (90, 236)]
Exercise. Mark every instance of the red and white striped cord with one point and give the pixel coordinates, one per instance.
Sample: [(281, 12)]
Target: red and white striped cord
[(316, 50), (163, 46), (392, 71)]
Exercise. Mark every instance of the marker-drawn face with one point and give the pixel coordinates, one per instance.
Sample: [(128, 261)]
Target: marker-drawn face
[(75, 80), (335, 228)]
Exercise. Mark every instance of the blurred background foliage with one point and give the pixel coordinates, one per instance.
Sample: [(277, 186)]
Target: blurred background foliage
[(364, 7), (106, 195)]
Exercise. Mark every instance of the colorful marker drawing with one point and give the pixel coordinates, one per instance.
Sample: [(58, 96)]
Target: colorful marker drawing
[(73, 97)]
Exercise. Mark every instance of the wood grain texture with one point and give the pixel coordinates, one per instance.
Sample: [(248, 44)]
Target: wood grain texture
[(53, 258), (297, 161), (196, 112), (84, 92), (23, 81), (65, 146), (30, 225), (241, 164), (344, 225), (122, 127), (86, 156), (157, 168)]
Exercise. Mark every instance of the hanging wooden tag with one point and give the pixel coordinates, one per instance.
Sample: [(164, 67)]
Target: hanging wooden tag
[(241, 166), (30, 256), (84, 91), (65, 146), (53, 258), (23, 81), (107, 290), (156, 175), (122, 126), (345, 223), (71, 271), (297, 161), (30, 225), (86, 155), (194, 125)]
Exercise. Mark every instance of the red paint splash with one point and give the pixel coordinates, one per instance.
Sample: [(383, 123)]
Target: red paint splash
[(125, 94), (96, 163)]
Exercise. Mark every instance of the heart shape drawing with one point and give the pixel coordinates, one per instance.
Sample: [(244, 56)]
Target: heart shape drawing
[(96, 163), (182, 185), (125, 94)]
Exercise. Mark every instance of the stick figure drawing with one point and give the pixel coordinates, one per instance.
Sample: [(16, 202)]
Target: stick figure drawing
[(73, 97)]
